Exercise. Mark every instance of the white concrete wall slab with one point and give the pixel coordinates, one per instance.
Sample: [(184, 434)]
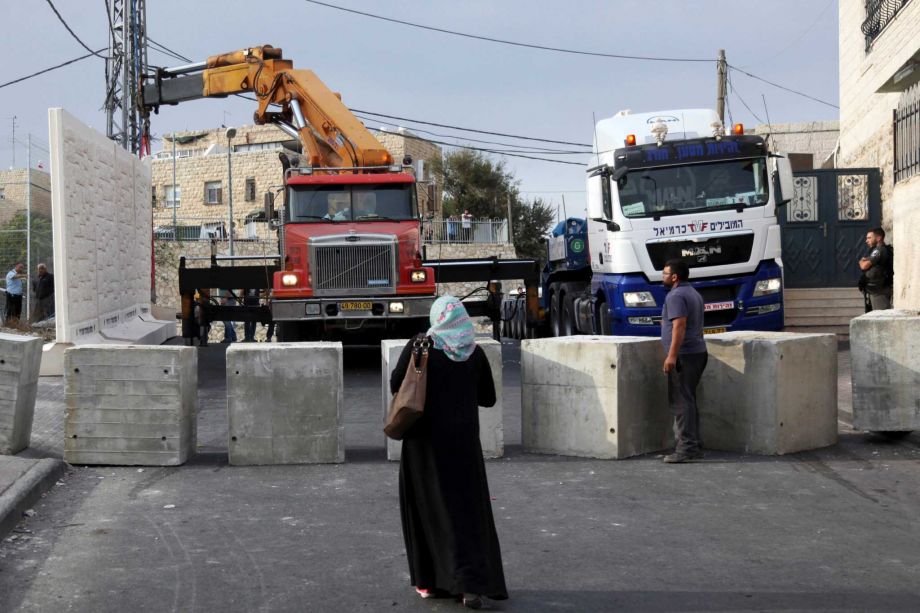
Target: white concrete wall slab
[(284, 403), (769, 393), (593, 396), (102, 238), (20, 360), (130, 405), (491, 419), (884, 352)]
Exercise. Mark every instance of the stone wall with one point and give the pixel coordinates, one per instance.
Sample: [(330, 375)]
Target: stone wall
[(469, 252), (866, 138), (102, 233), (819, 138)]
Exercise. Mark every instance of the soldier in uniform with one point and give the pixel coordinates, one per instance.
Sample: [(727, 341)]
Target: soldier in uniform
[(878, 268)]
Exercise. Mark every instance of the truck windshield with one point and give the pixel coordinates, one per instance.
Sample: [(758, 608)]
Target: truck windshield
[(674, 190), (352, 202)]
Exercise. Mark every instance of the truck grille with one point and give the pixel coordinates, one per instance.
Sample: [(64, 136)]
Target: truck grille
[(711, 252), (361, 268)]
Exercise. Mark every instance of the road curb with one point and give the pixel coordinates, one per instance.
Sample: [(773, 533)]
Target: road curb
[(27, 490)]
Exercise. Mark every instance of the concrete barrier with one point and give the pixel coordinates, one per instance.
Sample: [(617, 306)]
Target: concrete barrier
[(885, 361), (20, 361), (491, 429), (284, 403), (769, 393), (130, 405), (592, 396)]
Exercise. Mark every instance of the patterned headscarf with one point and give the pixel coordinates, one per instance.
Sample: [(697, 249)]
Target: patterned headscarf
[(452, 329)]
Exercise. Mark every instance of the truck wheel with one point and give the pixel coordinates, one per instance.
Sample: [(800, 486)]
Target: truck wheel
[(603, 320), (288, 331), (555, 329), (568, 326), (893, 435)]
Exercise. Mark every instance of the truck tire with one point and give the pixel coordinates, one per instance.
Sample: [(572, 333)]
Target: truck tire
[(604, 324), (555, 328), (568, 325), (288, 331)]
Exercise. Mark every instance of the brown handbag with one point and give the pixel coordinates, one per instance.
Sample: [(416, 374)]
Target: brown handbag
[(409, 402)]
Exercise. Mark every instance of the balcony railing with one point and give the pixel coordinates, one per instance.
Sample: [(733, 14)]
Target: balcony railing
[(907, 135), (879, 14)]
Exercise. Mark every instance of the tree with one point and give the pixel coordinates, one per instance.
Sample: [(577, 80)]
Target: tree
[(530, 223), (13, 240), (473, 182)]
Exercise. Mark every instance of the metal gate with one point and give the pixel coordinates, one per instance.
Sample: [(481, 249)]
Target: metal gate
[(824, 227)]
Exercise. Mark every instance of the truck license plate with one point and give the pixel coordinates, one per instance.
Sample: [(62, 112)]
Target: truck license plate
[(356, 306), (719, 306), (713, 330)]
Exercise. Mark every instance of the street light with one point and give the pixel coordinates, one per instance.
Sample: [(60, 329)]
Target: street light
[(231, 132)]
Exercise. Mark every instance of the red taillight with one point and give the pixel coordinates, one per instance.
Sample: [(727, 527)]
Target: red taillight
[(630, 140), (738, 129)]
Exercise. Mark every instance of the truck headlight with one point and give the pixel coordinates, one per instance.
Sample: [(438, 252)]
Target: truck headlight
[(419, 276), (639, 299), (765, 287), (288, 279)]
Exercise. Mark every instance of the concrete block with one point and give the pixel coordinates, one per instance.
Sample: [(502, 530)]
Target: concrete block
[(769, 393), (130, 405), (284, 402), (20, 361), (491, 428), (592, 396), (884, 351)]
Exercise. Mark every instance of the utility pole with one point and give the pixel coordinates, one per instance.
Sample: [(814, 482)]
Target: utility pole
[(124, 70), (510, 229), (13, 142), (175, 186), (27, 286), (721, 73)]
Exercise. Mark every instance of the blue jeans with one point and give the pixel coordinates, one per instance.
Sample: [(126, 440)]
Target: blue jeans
[(229, 332)]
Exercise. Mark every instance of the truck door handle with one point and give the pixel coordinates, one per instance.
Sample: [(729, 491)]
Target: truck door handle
[(824, 229)]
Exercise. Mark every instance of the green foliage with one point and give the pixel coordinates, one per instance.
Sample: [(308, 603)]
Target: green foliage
[(530, 223), (474, 182)]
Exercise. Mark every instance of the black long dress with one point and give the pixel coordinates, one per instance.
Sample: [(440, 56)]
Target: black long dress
[(444, 501)]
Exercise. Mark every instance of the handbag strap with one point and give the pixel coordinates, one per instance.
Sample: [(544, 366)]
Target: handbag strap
[(420, 347)]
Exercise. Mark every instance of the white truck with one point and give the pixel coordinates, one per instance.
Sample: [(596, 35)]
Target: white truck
[(671, 184)]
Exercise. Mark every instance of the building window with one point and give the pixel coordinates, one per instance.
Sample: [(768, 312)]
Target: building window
[(907, 135), (251, 189), (173, 196), (879, 14), (212, 192)]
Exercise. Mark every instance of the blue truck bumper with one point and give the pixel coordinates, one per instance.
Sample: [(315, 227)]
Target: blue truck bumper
[(731, 304)]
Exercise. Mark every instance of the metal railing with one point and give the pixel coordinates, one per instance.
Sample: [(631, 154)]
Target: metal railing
[(879, 14), (186, 228), (907, 135), (472, 231)]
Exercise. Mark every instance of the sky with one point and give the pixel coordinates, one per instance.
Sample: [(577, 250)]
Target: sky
[(397, 70)]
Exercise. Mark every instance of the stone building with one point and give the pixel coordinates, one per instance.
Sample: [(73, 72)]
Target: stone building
[(879, 46), (810, 144), (201, 194), (21, 188)]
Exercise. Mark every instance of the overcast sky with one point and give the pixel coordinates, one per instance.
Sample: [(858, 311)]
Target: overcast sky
[(409, 72)]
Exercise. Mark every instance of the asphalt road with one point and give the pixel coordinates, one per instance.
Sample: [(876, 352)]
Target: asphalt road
[(835, 529)]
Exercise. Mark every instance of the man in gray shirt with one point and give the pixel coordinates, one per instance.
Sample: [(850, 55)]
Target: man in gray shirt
[(682, 338)]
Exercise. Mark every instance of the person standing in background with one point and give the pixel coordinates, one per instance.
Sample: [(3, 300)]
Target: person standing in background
[(43, 288), (14, 289)]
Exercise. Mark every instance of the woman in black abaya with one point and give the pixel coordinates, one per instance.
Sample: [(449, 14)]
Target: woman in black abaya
[(444, 499)]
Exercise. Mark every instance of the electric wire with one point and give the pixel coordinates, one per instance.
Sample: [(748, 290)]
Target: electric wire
[(783, 87), (46, 70), (509, 42), (495, 151), (735, 91), (72, 33)]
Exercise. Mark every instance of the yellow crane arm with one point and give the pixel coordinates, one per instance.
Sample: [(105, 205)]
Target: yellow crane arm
[(332, 137)]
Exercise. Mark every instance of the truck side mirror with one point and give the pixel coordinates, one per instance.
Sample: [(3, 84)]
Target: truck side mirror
[(269, 206), (783, 181), (600, 192)]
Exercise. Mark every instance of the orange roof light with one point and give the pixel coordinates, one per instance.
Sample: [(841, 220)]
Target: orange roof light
[(630, 140), (738, 129)]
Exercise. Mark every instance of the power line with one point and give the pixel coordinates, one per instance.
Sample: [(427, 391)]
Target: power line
[(72, 33), (509, 42), (782, 87), (441, 125), (475, 140), (41, 72), (167, 51), (735, 91), (497, 152)]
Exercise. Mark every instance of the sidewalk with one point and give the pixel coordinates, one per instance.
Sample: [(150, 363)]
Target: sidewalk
[(22, 483)]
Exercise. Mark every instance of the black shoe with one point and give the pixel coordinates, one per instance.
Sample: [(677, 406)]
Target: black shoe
[(682, 458), (472, 601)]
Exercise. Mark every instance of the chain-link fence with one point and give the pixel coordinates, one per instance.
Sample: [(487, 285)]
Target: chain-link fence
[(25, 238)]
